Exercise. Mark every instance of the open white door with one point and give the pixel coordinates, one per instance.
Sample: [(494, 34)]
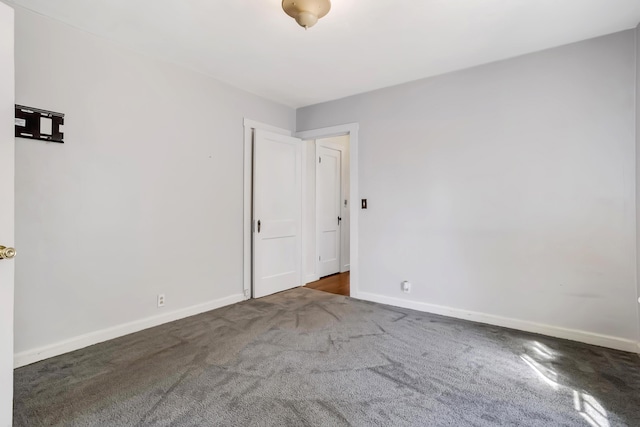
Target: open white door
[(7, 142), (277, 213), (328, 197)]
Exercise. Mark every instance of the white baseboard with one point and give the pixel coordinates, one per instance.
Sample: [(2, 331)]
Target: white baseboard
[(523, 325), (31, 356)]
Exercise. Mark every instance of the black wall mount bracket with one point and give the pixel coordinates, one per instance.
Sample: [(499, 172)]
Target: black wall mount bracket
[(42, 125)]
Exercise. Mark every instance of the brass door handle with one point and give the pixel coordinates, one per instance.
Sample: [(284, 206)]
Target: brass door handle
[(7, 253)]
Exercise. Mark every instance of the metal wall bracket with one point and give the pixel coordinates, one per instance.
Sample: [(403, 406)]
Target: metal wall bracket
[(34, 123)]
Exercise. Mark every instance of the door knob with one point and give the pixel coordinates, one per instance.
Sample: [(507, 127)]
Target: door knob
[(7, 253)]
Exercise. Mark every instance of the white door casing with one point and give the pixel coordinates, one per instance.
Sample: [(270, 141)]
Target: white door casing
[(277, 213), (328, 208), (7, 200)]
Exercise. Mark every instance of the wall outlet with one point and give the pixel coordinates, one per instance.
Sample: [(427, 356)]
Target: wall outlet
[(160, 300), (406, 287)]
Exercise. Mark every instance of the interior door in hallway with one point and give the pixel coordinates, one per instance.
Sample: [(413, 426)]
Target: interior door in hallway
[(277, 213), (328, 197), (7, 143)]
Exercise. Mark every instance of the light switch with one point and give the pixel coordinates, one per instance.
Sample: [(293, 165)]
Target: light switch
[(364, 203)]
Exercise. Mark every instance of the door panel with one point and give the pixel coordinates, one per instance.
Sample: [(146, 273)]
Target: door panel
[(328, 198), (7, 143), (277, 213)]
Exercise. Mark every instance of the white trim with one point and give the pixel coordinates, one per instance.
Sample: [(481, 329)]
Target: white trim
[(249, 126), (316, 228), (303, 215), (506, 322), (316, 255), (252, 124), (35, 355), (247, 207), (328, 132), (350, 129)]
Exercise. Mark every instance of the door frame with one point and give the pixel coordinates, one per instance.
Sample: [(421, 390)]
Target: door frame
[(339, 148), (350, 129)]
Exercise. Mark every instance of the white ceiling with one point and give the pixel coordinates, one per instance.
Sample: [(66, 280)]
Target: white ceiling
[(360, 46)]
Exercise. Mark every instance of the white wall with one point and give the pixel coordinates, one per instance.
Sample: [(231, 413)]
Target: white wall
[(6, 212), (144, 197), (506, 192)]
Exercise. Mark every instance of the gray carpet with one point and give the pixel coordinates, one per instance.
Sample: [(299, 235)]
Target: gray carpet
[(305, 357)]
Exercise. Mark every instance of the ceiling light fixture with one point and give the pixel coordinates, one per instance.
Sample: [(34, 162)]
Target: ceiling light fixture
[(306, 12)]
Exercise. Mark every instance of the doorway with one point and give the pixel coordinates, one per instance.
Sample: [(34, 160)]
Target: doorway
[(308, 156), (332, 205), (327, 252), (332, 145)]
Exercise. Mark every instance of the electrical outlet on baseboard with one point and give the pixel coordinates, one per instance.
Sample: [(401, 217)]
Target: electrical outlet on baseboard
[(160, 300)]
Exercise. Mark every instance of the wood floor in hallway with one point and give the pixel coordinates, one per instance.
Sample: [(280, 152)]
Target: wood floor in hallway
[(335, 284)]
